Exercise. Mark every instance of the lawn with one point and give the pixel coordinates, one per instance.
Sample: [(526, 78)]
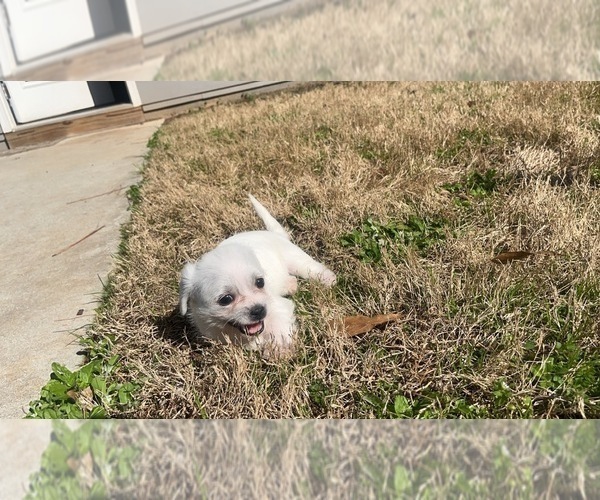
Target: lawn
[(402, 40), (320, 459), (412, 193)]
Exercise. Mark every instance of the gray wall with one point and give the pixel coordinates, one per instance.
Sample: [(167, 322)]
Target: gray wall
[(159, 14), (162, 19), (157, 95)]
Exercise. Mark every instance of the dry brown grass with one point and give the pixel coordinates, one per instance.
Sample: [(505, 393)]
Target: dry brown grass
[(483, 167), (349, 459), (405, 40), (340, 459)]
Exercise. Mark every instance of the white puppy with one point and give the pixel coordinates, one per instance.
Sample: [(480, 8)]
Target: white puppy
[(236, 292)]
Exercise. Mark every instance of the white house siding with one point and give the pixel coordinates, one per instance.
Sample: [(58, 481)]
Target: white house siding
[(160, 20), (157, 95)]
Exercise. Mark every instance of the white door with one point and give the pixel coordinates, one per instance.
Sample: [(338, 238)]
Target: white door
[(31, 101), (41, 27)]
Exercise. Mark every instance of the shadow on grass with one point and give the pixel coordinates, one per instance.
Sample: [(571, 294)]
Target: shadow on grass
[(175, 329)]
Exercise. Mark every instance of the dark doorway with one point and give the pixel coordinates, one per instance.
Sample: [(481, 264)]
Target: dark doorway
[(109, 93)]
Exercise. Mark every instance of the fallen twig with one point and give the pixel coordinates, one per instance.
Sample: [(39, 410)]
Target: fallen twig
[(96, 195), (77, 242)]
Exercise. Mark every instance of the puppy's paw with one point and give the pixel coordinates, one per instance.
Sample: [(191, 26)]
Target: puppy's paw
[(327, 277), (279, 345), (274, 352), (292, 285)]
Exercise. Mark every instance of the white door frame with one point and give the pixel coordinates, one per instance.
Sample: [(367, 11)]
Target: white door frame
[(7, 119), (134, 94), (134, 18)]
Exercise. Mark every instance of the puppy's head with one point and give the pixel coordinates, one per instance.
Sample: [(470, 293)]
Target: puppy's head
[(225, 292)]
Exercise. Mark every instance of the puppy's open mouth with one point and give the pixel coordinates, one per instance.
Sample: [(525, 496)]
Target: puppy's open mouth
[(252, 329)]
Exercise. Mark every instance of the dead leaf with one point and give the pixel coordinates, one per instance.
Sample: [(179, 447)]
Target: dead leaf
[(355, 325), (506, 257), (73, 464), (86, 399), (86, 470)]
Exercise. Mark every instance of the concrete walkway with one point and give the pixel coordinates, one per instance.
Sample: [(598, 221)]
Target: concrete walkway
[(23, 442), (53, 263)]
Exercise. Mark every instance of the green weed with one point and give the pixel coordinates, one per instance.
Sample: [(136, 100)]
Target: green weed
[(373, 238), (474, 187), (594, 174), (134, 196), (85, 392), (81, 463), (508, 404), (465, 139), (426, 406), (572, 449), (323, 133), (319, 393), (569, 374), (154, 140), (371, 151), (248, 97), (222, 134)]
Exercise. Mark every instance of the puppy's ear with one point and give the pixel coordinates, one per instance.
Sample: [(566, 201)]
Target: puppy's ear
[(185, 287)]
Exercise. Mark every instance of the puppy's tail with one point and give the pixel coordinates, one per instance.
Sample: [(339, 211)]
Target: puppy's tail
[(270, 223)]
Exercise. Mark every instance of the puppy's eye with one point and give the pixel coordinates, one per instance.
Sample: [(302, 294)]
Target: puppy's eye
[(260, 282), (225, 300)]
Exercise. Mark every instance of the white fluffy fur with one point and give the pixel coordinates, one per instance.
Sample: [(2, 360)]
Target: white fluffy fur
[(232, 269)]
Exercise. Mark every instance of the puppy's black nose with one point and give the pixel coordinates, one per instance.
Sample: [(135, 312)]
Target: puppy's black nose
[(258, 312)]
